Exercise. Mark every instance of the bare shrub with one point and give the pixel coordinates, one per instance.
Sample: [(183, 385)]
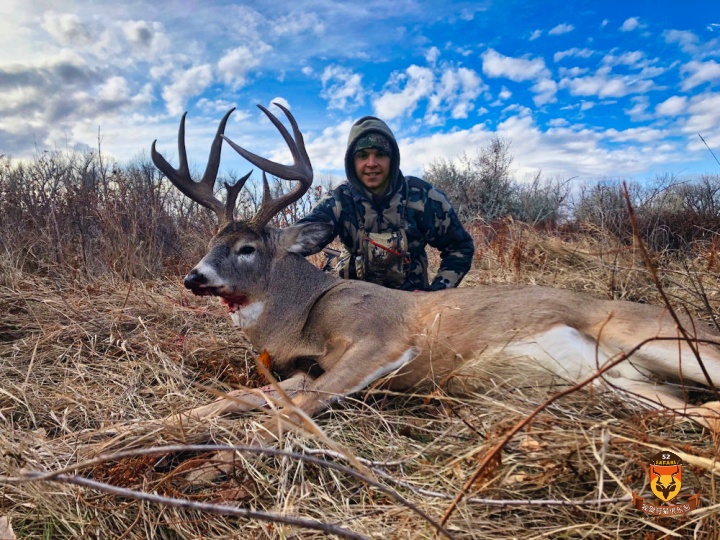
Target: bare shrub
[(69, 213), (478, 186), (482, 187), (671, 214), (66, 212)]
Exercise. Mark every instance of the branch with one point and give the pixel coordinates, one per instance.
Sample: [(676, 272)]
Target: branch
[(62, 476), (206, 507), (621, 357), (692, 343)]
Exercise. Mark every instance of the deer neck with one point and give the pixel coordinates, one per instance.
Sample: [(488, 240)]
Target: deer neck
[(293, 287)]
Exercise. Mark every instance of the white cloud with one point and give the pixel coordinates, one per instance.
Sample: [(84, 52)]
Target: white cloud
[(639, 111), (630, 24), (574, 71), (605, 85), (220, 107), (544, 90), (417, 83), (276, 110), (417, 152), (432, 55), (67, 28), (327, 151), (704, 111), (298, 22), (575, 52), (672, 106), (186, 84), (638, 134), (146, 38), (504, 94), (496, 65), (630, 58), (535, 34), (236, 63), (700, 72), (342, 88), (115, 89), (561, 29), (687, 41), (456, 91), (566, 150), (558, 122), (572, 150)]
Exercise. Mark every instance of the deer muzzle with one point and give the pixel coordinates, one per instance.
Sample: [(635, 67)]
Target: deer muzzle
[(197, 283)]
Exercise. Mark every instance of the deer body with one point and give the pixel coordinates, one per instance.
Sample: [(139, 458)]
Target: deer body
[(353, 333), (328, 337)]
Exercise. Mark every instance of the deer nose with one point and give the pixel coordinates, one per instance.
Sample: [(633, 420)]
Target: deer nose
[(194, 280)]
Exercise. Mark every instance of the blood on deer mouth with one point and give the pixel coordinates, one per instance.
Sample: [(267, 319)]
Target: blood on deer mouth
[(234, 303)]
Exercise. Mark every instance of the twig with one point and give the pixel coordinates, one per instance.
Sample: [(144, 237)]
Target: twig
[(54, 475), (474, 500), (692, 343), (526, 421), (706, 145), (206, 507)]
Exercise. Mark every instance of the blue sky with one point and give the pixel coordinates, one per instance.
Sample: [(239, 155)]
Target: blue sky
[(580, 89)]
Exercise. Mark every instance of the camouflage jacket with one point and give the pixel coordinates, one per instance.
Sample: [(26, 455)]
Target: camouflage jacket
[(425, 211), (430, 219)]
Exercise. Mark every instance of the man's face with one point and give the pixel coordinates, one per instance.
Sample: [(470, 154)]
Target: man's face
[(372, 167)]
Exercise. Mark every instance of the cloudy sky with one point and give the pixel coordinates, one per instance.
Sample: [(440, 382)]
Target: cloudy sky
[(589, 89)]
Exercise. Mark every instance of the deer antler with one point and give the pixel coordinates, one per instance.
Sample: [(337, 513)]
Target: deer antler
[(301, 170), (202, 192)]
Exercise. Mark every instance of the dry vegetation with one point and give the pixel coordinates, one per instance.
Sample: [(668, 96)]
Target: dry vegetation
[(99, 341)]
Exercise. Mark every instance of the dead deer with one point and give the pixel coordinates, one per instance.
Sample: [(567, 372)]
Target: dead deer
[(330, 337)]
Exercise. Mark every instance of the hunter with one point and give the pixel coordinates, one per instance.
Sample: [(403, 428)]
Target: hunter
[(384, 219)]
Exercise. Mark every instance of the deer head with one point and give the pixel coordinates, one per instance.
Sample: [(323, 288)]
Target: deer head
[(240, 256), (667, 487)]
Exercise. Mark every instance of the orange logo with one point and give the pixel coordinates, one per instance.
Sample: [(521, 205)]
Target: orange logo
[(666, 476), (665, 472)]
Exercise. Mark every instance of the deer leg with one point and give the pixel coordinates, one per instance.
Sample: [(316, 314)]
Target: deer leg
[(359, 367), (658, 397), (244, 399)]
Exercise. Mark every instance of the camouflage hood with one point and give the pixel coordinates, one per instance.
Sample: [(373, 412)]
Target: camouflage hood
[(364, 126)]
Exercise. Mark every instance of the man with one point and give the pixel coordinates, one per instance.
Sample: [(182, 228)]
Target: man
[(384, 219)]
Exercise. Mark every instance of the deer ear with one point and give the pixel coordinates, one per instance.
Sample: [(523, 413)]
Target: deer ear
[(304, 238)]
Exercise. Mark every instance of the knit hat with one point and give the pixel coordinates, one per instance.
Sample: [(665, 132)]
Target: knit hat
[(374, 140)]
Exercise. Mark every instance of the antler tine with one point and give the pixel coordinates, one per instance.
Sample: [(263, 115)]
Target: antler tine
[(301, 170), (232, 195), (202, 192)]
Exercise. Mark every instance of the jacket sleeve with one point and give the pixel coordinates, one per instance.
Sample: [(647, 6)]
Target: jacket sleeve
[(449, 237), (322, 212)]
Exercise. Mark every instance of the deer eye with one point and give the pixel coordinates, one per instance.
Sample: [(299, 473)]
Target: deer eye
[(246, 250)]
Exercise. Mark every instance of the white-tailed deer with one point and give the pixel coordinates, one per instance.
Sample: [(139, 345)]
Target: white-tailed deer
[(330, 337)]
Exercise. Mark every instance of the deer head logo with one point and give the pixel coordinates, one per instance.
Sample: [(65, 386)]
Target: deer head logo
[(665, 476)]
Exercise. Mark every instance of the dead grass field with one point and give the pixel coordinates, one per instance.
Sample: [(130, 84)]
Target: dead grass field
[(89, 367)]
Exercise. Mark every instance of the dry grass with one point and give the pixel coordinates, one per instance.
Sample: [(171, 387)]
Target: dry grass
[(82, 361)]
